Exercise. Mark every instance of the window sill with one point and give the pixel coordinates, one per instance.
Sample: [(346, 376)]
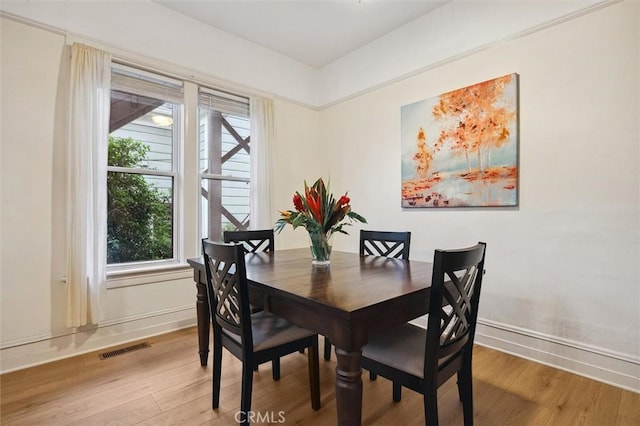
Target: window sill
[(148, 275)]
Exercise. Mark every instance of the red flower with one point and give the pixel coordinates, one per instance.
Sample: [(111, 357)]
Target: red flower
[(314, 202), (297, 202), (317, 210)]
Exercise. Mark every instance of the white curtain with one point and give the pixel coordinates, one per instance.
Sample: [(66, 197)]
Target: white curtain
[(262, 136), (87, 183)]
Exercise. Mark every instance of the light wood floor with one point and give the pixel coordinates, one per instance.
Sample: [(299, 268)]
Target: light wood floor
[(165, 385)]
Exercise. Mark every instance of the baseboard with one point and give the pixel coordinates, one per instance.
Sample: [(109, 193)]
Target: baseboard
[(616, 369), (613, 368), (43, 350)]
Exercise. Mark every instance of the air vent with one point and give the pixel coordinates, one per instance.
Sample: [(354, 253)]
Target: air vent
[(123, 351)]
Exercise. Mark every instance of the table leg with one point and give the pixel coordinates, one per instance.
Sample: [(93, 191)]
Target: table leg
[(202, 310), (349, 387)]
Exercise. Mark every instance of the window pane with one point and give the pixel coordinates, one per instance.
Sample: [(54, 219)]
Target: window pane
[(224, 144), (140, 217), (226, 210), (147, 140)]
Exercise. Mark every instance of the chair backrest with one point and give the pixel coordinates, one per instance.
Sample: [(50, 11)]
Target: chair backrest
[(453, 304), (385, 243), (227, 287), (253, 241)]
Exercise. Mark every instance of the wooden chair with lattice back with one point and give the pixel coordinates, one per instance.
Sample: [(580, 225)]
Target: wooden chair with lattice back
[(253, 338), (253, 241), (423, 360), (385, 243), (258, 240), (379, 243), (261, 240)]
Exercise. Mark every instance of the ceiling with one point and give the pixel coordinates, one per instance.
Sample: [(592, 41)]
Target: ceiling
[(315, 33)]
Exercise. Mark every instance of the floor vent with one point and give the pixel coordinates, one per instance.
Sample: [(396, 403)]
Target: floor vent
[(122, 351)]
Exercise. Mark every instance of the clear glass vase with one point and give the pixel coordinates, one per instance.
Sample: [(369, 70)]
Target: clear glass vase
[(320, 245)]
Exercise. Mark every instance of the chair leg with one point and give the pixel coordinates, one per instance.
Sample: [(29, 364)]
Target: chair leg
[(372, 375), (397, 392), (327, 349), (314, 374), (275, 368), (217, 370), (431, 406), (465, 391), (245, 399)]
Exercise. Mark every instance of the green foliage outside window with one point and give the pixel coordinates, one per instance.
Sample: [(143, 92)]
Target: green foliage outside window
[(139, 218)]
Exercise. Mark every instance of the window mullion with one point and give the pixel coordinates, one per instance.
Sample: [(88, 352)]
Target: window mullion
[(141, 171), (212, 176)]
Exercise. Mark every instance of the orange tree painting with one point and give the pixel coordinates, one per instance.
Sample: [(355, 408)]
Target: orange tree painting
[(461, 148)]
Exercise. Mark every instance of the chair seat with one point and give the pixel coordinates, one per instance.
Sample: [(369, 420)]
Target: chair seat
[(270, 331), (383, 347)]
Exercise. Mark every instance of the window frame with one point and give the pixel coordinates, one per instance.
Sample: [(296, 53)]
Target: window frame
[(224, 103), (118, 270), (187, 181)]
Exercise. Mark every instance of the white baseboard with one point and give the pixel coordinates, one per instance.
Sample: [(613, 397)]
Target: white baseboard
[(617, 369), (42, 350), (613, 368)]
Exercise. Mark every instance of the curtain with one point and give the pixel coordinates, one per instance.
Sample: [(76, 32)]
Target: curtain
[(262, 136), (87, 184)]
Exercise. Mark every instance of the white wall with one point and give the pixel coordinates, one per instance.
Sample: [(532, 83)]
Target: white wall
[(563, 267), (33, 180), (300, 154), (456, 29), (142, 27), (574, 236), (28, 162)]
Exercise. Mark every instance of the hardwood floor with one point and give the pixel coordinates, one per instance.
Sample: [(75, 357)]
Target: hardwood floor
[(165, 385)]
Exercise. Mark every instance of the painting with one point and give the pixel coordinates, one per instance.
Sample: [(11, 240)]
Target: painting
[(460, 149)]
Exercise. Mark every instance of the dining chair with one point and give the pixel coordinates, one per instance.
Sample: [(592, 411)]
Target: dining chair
[(260, 240), (385, 243), (253, 241), (379, 243), (253, 338), (423, 360)]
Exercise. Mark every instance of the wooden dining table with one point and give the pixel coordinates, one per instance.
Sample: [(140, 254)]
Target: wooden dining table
[(353, 297)]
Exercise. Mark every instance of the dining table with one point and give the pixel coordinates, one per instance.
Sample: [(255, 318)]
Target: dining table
[(346, 301)]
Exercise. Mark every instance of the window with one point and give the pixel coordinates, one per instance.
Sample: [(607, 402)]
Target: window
[(144, 144), (224, 162)]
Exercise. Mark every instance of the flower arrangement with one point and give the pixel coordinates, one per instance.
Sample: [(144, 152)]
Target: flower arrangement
[(321, 215)]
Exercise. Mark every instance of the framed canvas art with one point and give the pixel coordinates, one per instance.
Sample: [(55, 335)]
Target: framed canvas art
[(460, 149)]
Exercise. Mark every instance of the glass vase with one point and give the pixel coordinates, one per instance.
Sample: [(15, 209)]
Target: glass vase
[(320, 245)]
